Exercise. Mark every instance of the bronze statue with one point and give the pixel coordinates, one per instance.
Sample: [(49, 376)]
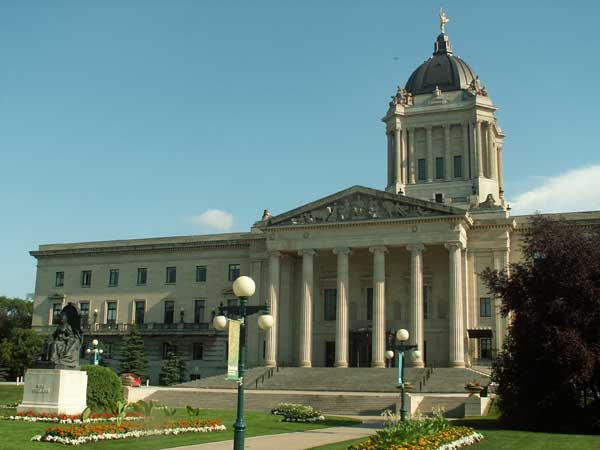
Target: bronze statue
[(63, 347)]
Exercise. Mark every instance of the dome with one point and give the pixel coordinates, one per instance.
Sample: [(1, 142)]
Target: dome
[(443, 70)]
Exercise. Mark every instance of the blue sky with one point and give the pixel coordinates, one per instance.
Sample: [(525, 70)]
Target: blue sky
[(123, 118)]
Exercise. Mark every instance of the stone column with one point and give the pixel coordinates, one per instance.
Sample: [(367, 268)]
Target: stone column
[(429, 156), (447, 154), (466, 164), (404, 161), (499, 265), (377, 354), (455, 338), (479, 152), (411, 156), (416, 299), (491, 146), (271, 344), (465, 299), (500, 180), (305, 357), (398, 157), (390, 158), (341, 310)]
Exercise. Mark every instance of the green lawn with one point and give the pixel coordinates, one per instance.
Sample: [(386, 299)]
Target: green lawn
[(10, 394)]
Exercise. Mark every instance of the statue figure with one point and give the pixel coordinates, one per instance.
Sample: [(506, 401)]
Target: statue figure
[(63, 347), (266, 215), (402, 97), (443, 20)]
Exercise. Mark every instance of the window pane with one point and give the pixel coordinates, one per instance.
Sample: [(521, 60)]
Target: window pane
[(234, 271), (84, 312), (457, 167), (330, 303), (60, 279), (198, 351), (86, 278), (56, 309), (169, 311), (113, 277), (200, 273), (439, 168), (140, 309), (421, 175), (199, 311), (369, 303), (142, 275), (485, 307), (111, 313), (426, 313), (171, 275)]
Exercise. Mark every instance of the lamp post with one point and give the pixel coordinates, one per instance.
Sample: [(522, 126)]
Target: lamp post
[(95, 352), (401, 347), (243, 287)]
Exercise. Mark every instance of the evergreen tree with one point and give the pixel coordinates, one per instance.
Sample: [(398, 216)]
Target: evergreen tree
[(172, 371), (133, 356)]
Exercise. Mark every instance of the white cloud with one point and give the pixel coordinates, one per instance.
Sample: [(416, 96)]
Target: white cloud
[(214, 219), (575, 190)]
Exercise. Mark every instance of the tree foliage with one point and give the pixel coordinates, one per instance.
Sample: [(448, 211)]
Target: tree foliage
[(172, 371), (549, 369), (20, 350), (14, 313), (133, 355)]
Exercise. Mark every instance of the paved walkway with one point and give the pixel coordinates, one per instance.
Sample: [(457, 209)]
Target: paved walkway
[(294, 441)]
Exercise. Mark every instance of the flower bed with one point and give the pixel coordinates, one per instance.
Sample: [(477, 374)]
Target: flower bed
[(294, 412), (85, 433), (30, 416), (449, 439)]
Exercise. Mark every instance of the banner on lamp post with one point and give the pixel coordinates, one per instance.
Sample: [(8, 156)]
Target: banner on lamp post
[(234, 350)]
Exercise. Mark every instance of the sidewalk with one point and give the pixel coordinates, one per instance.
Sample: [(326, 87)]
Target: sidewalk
[(294, 441)]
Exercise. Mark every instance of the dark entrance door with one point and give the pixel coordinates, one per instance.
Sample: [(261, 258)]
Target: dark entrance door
[(329, 353), (360, 348)]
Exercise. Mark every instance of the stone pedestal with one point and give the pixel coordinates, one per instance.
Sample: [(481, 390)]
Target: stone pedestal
[(54, 391), (475, 406)]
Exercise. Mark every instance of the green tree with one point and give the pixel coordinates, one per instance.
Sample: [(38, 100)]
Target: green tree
[(20, 350), (172, 371), (133, 355), (14, 313), (549, 369)]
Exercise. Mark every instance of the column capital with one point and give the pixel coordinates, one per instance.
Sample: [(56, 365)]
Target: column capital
[(342, 251), (275, 253), (378, 249), (452, 245), (415, 248), (429, 128), (307, 252)]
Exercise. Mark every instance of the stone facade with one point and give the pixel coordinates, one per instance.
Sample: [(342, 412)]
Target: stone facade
[(341, 273)]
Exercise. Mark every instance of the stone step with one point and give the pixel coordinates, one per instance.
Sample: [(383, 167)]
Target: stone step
[(453, 407)]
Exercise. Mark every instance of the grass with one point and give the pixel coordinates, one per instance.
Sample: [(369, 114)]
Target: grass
[(17, 435)]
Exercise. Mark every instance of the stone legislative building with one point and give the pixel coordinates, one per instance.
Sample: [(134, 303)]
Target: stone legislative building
[(340, 273)]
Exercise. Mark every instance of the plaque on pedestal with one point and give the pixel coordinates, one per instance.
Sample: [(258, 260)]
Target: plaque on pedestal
[(56, 391)]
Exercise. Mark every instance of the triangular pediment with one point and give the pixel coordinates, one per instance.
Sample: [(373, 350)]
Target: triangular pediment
[(360, 203)]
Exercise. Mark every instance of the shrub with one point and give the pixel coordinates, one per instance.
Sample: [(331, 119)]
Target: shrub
[(172, 371), (295, 412), (104, 388)]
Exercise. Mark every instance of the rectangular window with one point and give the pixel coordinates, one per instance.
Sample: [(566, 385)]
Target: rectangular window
[(234, 272), (330, 299), (171, 275), (86, 278), (142, 276), (140, 310), (56, 309), (421, 174), (369, 303), (198, 351), (111, 313), (169, 311), (113, 277), (439, 198), (485, 307), (168, 348), (199, 311), (426, 310), (439, 168), (84, 312), (485, 348), (60, 279), (458, 167), (200, 274), (108, 349)]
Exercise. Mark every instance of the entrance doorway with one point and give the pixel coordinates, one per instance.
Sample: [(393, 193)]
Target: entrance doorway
[(329, 353), (360, 348)]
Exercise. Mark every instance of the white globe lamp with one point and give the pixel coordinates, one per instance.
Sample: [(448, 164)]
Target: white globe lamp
[(265, 321), (87, 350), (416, 355), (95, 342), (402, 335), (389, 354), (220, 323), (244, 286), (101, 351)]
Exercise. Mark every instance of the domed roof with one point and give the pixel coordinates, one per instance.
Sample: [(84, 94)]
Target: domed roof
[(442, 70)]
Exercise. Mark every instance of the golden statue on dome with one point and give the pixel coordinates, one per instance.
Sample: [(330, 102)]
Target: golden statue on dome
[(443, 20)]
